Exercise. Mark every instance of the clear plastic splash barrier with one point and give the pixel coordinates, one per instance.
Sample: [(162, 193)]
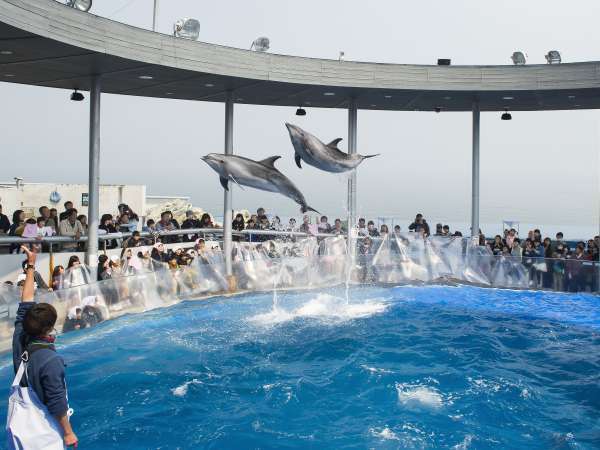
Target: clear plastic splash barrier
[(305, 263)]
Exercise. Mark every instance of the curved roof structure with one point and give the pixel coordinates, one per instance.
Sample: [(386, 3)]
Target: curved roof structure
[(44, 43)]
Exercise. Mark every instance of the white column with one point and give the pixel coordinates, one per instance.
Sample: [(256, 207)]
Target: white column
[(352, 124), (227, 213), (475, 174), (154, 15), (91, 255)]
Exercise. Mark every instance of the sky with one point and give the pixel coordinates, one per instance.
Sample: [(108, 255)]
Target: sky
[(540, 168)]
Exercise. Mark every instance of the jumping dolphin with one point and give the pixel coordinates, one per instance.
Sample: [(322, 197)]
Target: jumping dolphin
[(257, 174), (325, 157)]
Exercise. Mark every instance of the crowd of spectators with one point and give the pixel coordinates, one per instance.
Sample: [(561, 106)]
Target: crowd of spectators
[(552, 263)]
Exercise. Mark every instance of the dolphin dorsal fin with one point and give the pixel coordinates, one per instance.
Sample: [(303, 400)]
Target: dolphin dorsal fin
[(334, 143), (270, 161)]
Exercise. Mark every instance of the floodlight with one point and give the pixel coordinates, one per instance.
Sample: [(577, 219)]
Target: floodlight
[(260, 44), (553, 57), (506, 115), (342, 56), (187, 29), (77, 96), (444, 62), (300, 111), (518, 58), (81, 5)]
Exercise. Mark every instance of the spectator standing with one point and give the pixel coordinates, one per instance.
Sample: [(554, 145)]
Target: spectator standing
[(57, 278), (420, 225), (45, 368), (324, 226), (4, 222), (48, 220), (68, 207), (106, 224), (17, 227), (337, 228), (71, 227), (372, 230), (362, 227), (167, 223), (191, 221), (237, 225)]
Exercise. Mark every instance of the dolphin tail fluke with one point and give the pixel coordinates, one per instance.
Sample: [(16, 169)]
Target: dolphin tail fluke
[(306, 208)]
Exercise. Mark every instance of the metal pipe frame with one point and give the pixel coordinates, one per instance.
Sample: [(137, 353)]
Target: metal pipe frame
[(227, 197), (91, 255), (475, 174), (154, 15)]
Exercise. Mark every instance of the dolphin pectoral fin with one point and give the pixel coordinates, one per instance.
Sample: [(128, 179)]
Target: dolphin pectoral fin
[(270, 161), (334, 143), (369, 156), (298, 159), (235, 181), (224, 183)]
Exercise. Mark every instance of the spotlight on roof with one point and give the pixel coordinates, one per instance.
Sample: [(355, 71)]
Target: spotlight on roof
[(444, 62), (553, 57), (437, 109), (81, 5), (261, 44), (77, 96), (506, 115), (519, 58), (342, 56), (187, 29), (300, 111)]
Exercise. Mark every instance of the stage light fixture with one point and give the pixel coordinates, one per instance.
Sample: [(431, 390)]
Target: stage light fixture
[(187, 29), (77, 96), (519, 58), (506, 115), (261, 44)]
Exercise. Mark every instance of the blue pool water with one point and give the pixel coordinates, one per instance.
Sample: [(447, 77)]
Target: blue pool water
[(406, 367)]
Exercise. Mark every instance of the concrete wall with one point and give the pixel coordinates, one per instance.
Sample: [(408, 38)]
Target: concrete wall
[(30, 196)]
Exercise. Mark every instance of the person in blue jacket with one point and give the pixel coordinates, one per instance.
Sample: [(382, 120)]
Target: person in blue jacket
[(34, 334)]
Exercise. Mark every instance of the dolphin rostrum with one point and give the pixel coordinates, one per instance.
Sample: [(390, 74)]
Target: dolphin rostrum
[(325, 157), (257, 174)]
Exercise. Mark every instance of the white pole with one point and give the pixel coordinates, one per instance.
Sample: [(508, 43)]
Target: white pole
[(154, 15), (475, 175), (227, 213), (352, 130), (91, 255)]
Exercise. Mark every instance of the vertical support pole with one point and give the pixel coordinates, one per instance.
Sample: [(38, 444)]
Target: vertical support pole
[(91, 255), (352, 125), (227, 213), (154, 15), (475, 175)]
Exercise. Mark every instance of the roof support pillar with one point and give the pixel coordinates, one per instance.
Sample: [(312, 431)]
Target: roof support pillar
[(352, 130), (91, 255), (154, 15), (475, 175), (227, 212)]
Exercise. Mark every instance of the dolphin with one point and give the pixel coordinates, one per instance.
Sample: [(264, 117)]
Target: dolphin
[(325, 157), (257, 174)]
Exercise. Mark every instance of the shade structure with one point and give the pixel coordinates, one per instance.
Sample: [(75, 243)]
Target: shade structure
[(45, 43)]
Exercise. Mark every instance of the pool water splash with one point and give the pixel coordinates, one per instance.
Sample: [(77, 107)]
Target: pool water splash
[(325, 308)]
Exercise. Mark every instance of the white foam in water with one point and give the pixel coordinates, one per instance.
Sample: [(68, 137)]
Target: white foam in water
[(419, 395), (325, 307), (385, 434), (181, 391)]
